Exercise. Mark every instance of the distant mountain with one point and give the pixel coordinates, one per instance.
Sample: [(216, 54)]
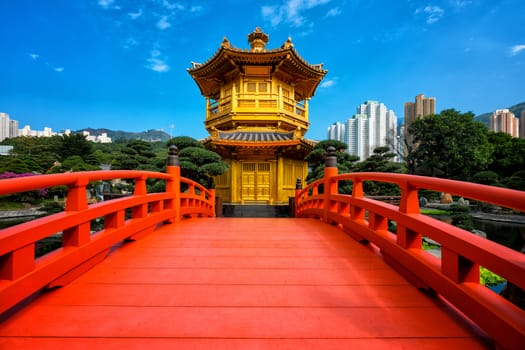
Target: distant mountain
[(516, 109), (150, 135)]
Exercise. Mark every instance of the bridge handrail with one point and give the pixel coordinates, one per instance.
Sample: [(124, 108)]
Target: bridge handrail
[(454, 276), (21, 274)]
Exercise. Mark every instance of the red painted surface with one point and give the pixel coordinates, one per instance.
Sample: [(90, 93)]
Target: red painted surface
[(226, 283), (261, 283), (454, 276), (22, 275)]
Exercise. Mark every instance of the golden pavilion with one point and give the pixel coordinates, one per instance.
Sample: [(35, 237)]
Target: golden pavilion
[(257, 116)]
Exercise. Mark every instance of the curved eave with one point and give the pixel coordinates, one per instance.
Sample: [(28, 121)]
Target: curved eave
[(211, 74), (304, 144), (247, 144)]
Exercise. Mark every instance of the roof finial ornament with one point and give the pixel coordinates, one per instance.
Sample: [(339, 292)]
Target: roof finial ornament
[(225, 43), (288, 43), (257, 40)]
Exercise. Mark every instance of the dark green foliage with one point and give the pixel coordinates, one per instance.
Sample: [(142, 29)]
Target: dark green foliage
[(51, 208), (99, 157), (450, 145), (508, 155), (486, 177), (73, 163), (14, 165), (184, 141), (516, 181), (74, 145), (39, 153), (139, 155), (461, 217), (316, 160), (380, 162), (198, 163)]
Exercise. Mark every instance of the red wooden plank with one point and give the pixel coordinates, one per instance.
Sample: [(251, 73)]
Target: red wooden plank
[(239, 283), (235, 343)]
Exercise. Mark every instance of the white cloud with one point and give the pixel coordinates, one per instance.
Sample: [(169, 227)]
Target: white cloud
[(163, 23), (516, 49), (172, 6), (195, 9), (327, 83), (58, 69), (130, 42), (135, 15), (157, 64), (105, 3), (290, 12), (434, 13), (459, 4), (270, 13), (34, 56), (336, 11)]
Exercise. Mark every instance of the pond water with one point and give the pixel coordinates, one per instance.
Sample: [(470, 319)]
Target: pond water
[(506, 233)]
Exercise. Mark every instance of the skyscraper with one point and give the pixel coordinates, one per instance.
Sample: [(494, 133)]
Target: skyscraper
[(422, 107), (13, 128), (522, 124), (4, 126), (503, 120), (372, 126), (336, 131)]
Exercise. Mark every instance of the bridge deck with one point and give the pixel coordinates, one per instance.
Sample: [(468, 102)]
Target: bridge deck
[(228, 283)]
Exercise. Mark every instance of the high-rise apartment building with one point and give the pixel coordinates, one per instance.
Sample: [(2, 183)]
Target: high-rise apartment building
[(13, 128), (422, 107), (4, 126), (372, 126), (503, 120), (336, 131), (522, 124)]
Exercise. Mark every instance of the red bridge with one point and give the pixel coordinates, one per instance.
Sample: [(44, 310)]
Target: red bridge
[(165, 273)]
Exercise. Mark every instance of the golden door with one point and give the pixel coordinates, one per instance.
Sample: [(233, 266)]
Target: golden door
[(255, 182)]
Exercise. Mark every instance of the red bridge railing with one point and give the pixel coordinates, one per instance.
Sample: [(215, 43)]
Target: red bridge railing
[(454, 276), (126, 218)]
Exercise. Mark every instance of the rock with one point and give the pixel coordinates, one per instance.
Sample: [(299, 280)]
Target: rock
[(423, 202), (463, 201), (479, 233), (446, 198)]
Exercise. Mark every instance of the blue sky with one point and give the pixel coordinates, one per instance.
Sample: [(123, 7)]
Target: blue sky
[(121, 64)]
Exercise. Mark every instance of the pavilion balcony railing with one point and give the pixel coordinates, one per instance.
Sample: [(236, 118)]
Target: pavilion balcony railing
[(455, 276), (248, 102), (124, 219)]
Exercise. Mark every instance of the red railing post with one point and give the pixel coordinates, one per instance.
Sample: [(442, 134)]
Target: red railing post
[(357, 213), (173, 184), (77, 201), (140, 211), (330, 186), (212, 201), (409, 204), (298, 189)]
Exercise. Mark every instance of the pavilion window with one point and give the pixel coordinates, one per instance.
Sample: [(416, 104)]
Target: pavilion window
[(251, 87)]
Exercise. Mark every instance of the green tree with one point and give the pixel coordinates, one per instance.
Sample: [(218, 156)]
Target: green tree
[(198, 163), (138, 154), (14, 165), (508, 155), (74, 145), (39, 153), (316, 159), (73, 163), (98, 157), (450, 144), (380, 161)]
